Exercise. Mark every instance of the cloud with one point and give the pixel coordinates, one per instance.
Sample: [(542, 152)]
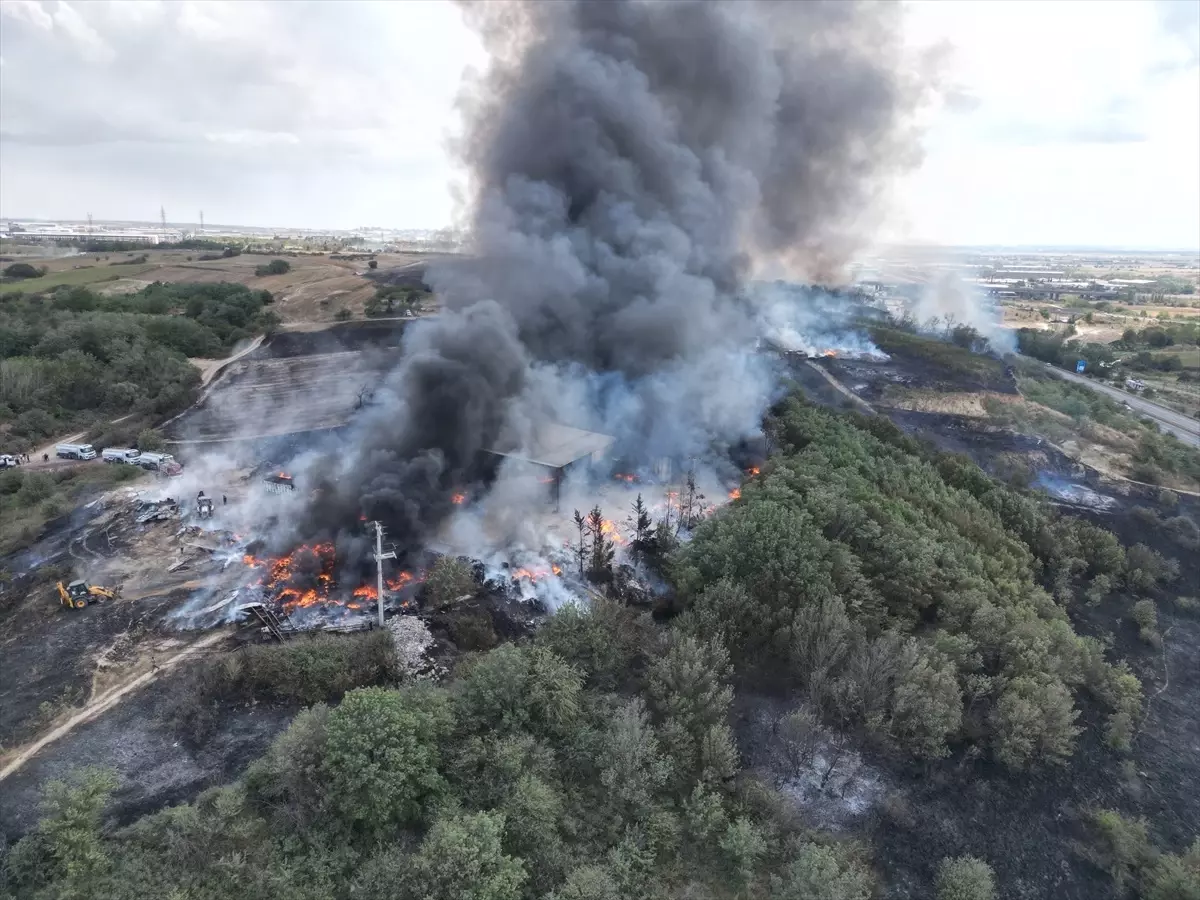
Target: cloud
[(220, 89)]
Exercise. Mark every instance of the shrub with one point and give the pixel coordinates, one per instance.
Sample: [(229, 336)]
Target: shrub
[(1145, 615), (23, 270), (449, 579), (1183, 531), (343, 315), (304, 671), (274, 267), (965, 878), (149, 440), (1121, 846)]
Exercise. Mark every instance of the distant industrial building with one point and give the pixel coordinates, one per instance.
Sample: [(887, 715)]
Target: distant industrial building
[(51, 233)]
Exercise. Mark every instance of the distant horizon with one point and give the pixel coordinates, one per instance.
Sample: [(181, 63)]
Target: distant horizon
[(896, 245)]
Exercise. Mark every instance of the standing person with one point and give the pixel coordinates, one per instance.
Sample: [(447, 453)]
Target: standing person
[(224, 499), (45, 457)]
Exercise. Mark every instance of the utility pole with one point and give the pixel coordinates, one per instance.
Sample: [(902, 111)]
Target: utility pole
[(162, 215), (380, 556), (201, 223)]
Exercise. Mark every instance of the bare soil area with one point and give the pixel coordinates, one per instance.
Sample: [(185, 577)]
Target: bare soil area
[(315, 290)]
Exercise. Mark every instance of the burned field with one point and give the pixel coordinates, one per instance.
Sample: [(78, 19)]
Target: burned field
[(295, 383)]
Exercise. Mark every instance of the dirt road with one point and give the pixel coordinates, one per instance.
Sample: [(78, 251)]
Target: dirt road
[(107, 701), (210, 368), (1183, 427)]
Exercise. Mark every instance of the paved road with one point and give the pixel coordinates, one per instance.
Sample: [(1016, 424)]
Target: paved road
[(1183, 427)]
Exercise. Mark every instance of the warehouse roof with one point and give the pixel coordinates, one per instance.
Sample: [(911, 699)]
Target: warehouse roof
[(557, 445)]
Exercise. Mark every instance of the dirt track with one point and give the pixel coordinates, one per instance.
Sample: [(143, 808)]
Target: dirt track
[(106, 701)]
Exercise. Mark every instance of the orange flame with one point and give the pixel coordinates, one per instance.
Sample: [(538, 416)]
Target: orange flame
[(829, 353), (458, 499), (609, 530), (622, 476), (535, 574), (401, 581), (735, 494), (753, 470)]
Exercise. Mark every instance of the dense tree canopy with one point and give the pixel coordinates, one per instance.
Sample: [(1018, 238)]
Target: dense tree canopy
[(71, 355)]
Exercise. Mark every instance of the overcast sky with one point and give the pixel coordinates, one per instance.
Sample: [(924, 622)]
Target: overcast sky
[(1073, 123)]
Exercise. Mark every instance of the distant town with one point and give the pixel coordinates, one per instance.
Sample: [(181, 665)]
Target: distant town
[(72, 232)]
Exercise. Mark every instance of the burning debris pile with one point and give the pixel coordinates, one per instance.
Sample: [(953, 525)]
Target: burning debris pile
[(305, 580)]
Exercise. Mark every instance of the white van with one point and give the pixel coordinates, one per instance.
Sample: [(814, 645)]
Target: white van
[(75, 451), (124, 455)]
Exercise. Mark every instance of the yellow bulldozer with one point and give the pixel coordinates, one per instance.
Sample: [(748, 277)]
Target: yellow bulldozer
[(79, 594)]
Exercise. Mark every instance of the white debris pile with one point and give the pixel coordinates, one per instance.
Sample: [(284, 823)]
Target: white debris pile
[(412, 639)]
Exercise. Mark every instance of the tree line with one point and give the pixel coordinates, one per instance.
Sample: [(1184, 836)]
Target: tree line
[(71, 356)]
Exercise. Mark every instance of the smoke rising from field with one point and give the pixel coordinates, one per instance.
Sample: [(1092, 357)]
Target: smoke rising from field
[(629, 163), (948, 300)]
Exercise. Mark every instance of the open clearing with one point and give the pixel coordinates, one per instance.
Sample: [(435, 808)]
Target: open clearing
[(315, 290)]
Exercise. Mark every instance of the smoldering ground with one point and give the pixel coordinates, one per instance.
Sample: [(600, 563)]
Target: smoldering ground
[(628, 163)]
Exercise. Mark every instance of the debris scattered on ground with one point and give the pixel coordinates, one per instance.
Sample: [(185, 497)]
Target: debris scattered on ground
[(412, 640)]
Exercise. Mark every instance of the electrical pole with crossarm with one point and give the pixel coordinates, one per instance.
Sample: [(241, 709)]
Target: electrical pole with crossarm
[(380, 556)]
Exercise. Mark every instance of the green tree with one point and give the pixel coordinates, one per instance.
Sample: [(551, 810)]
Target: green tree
[(462, 859), (633, 770), (603, 549), (642, 530), (449, 579), (519, 689), (289, 780), (382, 758), (605, 640), (533, 813), (743, 845), (965, 878), (149, 440), (1034, 720), (67, 847), (690, 698), (820, 873), (588, 882), (927, 706)]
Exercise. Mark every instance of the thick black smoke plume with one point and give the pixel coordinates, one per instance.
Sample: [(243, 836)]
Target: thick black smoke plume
[(629, 162)]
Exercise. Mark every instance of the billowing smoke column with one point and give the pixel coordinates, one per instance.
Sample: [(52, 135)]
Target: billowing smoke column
[(630, 161)]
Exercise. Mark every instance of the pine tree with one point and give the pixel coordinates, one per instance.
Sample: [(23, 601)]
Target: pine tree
[(581, 549), (691, 502), (603, 550), (640, 526)]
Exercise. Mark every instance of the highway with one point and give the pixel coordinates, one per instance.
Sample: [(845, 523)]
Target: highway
[(1183, 427)]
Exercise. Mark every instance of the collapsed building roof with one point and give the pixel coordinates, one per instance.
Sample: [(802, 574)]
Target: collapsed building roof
[(557, 446)]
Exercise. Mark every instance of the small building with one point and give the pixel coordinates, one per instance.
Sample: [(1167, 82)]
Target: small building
[(554, 449)]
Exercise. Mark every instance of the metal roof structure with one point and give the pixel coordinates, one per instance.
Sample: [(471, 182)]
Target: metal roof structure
[(557, 446)]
